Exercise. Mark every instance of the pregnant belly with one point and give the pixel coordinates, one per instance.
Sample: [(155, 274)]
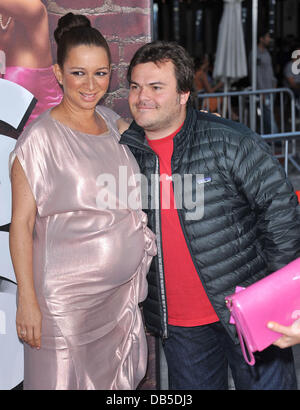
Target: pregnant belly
[(109, 257)]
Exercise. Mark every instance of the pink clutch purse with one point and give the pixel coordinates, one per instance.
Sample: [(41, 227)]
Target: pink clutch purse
[(273, 298)]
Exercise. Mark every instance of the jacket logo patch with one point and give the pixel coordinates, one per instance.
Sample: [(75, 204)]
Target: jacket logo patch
[(203, 180)]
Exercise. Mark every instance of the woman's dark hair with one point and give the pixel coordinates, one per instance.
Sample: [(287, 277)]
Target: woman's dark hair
[(200, 60), (75, 30), (163, 51)]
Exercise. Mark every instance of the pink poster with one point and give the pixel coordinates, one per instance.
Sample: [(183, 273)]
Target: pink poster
[(28, 48)]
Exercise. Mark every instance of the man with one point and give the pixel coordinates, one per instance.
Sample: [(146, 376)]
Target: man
[(224, 215), (265, 74), (265, 79)]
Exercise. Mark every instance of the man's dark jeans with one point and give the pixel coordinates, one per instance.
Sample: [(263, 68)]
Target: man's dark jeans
[(198, 359)]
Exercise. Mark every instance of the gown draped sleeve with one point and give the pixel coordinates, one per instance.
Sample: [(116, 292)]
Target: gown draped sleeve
[(29, 151)]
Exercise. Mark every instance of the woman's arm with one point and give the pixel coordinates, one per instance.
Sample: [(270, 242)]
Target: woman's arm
[(292, 83), (28, 44), (217, 86), (29, 318), (203, 79), (122, 125), (24, 10)]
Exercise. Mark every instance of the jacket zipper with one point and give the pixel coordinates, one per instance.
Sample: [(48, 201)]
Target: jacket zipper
[(136, 143), (159, 251)]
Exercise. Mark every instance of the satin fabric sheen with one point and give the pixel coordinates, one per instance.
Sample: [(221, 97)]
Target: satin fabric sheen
[(90, 264), (41, 82)]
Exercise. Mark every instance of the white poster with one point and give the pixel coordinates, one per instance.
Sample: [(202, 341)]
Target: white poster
[(14, 105)]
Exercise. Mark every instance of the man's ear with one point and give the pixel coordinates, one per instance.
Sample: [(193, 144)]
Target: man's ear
[(58, 73), (184, 97)]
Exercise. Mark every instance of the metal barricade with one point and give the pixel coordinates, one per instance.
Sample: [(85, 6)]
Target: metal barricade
[(270, 112)]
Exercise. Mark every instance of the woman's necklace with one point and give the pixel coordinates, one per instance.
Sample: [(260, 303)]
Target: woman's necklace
[(4, 26)]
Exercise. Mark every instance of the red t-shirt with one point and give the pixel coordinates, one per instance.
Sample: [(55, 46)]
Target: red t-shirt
[(188, 304)]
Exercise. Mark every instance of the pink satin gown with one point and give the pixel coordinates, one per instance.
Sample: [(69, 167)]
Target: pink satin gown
[(41, 82), (90, 263)]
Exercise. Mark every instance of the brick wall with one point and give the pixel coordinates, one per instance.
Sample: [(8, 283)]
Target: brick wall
[(126, 24)]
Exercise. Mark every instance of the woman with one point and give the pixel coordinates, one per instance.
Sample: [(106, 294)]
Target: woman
[(202, 84), (24, 37), (80, 265)]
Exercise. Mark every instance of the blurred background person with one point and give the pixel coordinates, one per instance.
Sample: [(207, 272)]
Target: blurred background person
[(203, 84), (265, 79)]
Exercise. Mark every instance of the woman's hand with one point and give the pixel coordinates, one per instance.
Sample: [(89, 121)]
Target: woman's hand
[(29, 321), (290, 334), (122, 125)]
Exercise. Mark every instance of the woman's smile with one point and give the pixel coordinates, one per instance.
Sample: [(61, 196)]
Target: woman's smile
[(89, 97)]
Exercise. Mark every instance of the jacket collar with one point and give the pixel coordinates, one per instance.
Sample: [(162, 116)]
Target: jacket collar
[(135, 135), (181, 139)]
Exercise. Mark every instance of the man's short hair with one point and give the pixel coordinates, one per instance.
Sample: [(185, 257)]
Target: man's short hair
[(262, 33), (162, 51)]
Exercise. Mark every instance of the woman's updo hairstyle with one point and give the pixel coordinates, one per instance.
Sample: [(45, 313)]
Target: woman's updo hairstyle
[(75, 30)]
